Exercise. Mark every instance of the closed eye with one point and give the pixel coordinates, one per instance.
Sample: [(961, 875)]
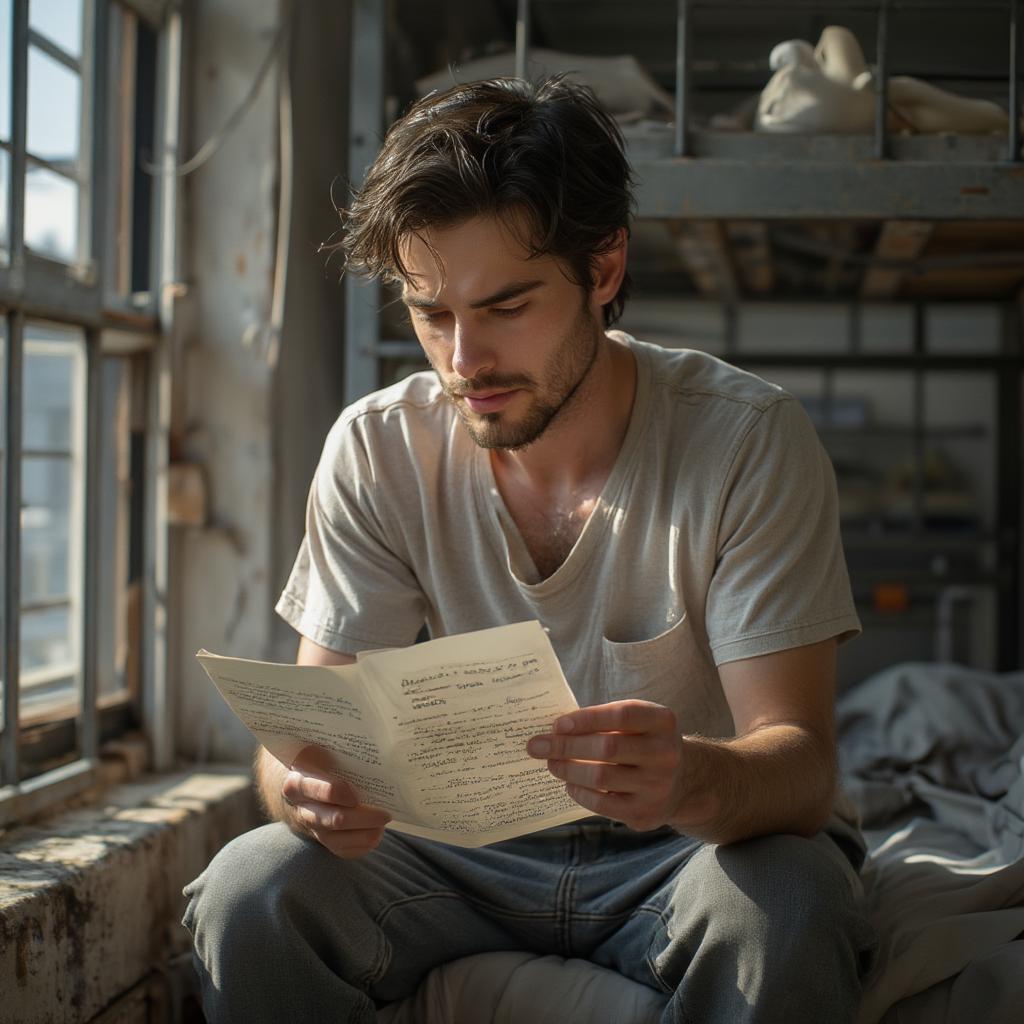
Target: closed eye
[(509, 311)]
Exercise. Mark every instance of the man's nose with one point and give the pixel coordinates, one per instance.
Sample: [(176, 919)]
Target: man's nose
[(470, 354)]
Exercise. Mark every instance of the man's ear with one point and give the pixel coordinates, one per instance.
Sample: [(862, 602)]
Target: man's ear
[(609, 269)]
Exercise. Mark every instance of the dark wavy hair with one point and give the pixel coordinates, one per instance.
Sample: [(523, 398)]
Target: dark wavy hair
[(544, 156)]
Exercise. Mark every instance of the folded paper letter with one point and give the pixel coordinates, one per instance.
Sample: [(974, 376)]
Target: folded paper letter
[(435, 733)]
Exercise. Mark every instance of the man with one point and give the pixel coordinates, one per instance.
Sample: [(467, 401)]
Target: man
[(669, 519)]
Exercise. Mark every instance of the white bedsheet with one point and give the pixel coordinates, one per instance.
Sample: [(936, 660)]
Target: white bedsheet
[(933, 756)]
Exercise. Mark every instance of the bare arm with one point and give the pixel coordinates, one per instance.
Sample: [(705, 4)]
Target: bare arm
[(779, 773), (627, 760), (311, 802)]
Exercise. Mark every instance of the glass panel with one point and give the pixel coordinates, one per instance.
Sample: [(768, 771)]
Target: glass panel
[(60, 21), (871, 442), (963, 328), (5, 69), (47, 644), (51, 214), (888, 329), (960, 414), (54, 110), (49, 373), (52, 519), (45, 529), (795, 328)]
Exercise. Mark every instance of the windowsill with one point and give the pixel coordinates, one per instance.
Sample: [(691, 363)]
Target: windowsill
[(90, 900)]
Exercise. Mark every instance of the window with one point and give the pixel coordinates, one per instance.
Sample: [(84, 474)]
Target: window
[(81, 206)]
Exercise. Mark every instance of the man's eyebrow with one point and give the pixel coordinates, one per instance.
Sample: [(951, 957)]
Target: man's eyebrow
[(510, 291)]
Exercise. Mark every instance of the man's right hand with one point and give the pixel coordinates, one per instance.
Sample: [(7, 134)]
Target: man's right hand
[(329, 810)]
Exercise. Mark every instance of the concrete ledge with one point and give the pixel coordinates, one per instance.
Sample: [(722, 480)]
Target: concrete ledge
[(90, 902)]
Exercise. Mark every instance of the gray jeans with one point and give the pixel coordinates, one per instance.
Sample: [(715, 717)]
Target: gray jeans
[(770, 929)]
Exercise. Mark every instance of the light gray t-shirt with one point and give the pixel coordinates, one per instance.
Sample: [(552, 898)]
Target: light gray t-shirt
[(715, 538)]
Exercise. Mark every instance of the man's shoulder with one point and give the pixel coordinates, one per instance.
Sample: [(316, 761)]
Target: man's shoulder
[(415, 396), (689, 376), (409, 418), (413, 405)]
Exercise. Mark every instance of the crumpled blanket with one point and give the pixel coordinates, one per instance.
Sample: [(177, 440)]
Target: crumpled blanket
[(933, 757)]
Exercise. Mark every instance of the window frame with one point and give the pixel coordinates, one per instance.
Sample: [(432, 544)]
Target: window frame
[(35, 287)]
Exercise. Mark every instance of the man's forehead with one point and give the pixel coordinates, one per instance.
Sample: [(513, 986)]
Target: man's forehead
[(471, 262)]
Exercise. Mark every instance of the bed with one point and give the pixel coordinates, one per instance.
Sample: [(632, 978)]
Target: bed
[(933, 757)]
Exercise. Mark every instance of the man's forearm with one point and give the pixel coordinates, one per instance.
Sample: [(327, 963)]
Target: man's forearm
[(779, 778)]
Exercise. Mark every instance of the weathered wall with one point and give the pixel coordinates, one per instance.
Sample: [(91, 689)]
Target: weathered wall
[(256, 426), (308, 392), (221, 572)]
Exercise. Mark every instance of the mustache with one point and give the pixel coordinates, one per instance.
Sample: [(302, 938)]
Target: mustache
[(486, 382)]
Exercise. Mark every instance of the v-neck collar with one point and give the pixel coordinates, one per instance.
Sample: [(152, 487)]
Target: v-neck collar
[(505, 533)]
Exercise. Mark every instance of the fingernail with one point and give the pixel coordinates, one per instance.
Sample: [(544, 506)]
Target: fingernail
[(539, 748), (564, 725)]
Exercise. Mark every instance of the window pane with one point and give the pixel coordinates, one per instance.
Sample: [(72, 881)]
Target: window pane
[(45, 639), (60, 21), (45, 529), (5, 69), (51, 214), (54, 110), (52, 519), (49, 391)]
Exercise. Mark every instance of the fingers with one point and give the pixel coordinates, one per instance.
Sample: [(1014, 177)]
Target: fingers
[(304, 786), (329, 810), (612, 747), (331, 818), (630, 716)]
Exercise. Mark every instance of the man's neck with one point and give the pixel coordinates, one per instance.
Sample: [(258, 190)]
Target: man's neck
[(579, 448)]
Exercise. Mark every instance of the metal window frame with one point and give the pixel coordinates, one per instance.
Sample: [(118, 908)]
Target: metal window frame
[(34, 287)]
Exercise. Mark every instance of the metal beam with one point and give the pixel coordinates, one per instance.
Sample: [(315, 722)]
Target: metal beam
[(21, 801), (682, 122), (807, 190), (834, 6), (366, 115), (882, 81), (10, 631), (19, 129), (1014, 154), (158, 708), (522, 38), (88, 726)]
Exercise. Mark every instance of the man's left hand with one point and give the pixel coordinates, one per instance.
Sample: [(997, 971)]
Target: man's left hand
[(621, 760)]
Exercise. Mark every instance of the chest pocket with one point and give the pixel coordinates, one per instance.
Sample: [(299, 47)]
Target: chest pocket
[(651, 669), (670, 669)]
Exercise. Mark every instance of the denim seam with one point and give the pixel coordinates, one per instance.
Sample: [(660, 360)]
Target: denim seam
[(649, 959), (494, 908)]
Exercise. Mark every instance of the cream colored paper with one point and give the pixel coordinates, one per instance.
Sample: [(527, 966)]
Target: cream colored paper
[(434, 733)]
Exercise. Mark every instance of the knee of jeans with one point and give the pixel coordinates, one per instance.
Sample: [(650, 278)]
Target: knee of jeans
[(778, 879), (242, 890)]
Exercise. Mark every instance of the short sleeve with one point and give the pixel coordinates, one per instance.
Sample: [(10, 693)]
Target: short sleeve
[(780, 578), (350, 590)]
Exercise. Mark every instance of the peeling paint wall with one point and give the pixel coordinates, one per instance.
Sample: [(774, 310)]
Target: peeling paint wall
[(222, 571), (256, 428)]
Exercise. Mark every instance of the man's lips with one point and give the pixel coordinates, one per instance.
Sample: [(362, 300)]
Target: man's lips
[(489, 401)]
